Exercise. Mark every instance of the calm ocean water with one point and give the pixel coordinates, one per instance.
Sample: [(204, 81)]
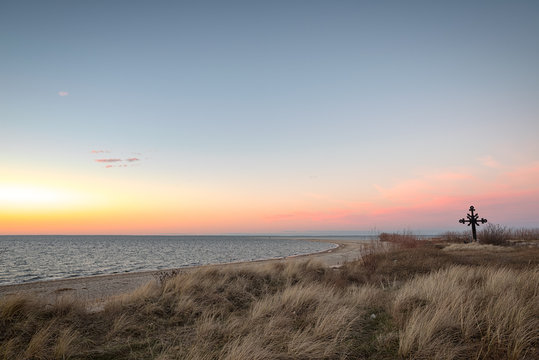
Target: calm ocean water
[(36, 258)]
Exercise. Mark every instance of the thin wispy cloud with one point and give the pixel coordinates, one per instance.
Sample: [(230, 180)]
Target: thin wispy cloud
[(337, 215), (63, 93), (116, 161), (489, 161), (107, 160)]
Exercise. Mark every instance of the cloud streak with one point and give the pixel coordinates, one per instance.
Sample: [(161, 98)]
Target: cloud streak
[(111, 162), (63, 93), (107, 160)]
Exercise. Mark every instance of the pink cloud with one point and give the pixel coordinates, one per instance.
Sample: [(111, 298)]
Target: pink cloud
[(527, 174), (115, 166), (427, 189), (508, 197), (489, 161), (107, 160), (435, 200), (114, 162), (63, 93), (99, 151)]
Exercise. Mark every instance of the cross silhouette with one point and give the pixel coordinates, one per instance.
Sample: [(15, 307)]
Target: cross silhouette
[(473, 219)]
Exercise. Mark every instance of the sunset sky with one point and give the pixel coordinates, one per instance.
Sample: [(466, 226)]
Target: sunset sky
[(267, 117)]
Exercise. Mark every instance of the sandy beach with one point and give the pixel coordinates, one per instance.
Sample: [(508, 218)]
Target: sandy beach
[(96, 289)]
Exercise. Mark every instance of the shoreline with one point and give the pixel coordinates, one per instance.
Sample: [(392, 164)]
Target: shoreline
[(99, 288)]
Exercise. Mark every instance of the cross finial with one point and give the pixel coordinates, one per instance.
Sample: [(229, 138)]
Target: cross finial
[(473, 220)]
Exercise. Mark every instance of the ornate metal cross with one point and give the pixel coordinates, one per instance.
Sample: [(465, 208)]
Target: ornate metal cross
[(473, 219)]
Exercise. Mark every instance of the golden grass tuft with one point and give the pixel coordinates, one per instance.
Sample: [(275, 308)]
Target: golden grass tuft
[(37, 344), (66, 343), (13, 306)]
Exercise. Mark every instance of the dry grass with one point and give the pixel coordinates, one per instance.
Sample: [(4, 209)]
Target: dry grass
[(524, 234), (417, 302), (459, 237), (476, 247), (464, 312), (405, 239)]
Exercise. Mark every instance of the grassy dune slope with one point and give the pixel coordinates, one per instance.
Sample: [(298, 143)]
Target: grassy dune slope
[(411, 300)]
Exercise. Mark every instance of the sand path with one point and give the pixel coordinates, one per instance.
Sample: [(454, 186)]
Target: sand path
[(96, 289)]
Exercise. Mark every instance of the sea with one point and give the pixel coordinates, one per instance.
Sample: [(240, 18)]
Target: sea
[(37, 258)]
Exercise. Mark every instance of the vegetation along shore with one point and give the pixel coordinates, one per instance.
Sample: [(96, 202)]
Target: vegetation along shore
[(402, 298)]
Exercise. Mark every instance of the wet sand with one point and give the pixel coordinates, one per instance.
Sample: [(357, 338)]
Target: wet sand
[(96, 289)]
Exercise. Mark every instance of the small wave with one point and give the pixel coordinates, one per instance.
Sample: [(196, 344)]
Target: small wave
[(33, 278)]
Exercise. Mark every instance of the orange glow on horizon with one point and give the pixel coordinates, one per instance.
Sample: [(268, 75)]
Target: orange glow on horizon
[(74, 206)]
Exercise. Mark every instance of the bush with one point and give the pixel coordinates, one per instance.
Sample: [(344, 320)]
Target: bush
[(494, 234)]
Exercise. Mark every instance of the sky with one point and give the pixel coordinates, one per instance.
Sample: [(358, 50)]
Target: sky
[(267, 117)]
